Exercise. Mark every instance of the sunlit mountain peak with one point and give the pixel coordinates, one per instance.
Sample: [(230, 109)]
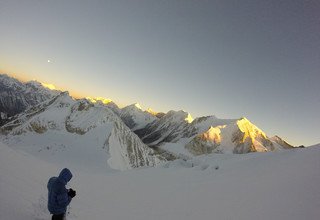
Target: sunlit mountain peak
[(154, 113), (49, 86), (99, 99), (189, 118), (137, 105), (151, 111), (249, 130)]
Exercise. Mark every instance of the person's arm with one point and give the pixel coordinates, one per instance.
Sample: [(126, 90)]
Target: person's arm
[(63, 199)]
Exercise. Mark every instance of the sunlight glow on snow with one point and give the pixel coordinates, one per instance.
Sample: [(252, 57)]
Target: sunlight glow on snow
[(152, 112), (137, 105), (249, 130), (189, 119), (213, 134), (99, 99), (49, 86)]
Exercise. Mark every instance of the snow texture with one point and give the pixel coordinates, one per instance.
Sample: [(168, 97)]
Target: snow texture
[(282, 185)]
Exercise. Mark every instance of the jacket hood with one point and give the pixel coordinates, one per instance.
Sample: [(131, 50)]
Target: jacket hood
[(65, 175)]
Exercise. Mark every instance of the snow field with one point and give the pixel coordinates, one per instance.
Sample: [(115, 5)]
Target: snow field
[(283, 185)]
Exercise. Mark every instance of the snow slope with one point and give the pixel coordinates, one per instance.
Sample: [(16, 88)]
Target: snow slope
[(283, 185)]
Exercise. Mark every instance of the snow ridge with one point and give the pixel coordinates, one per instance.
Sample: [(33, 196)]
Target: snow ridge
[(15, 96), (135, 118), (63, 118)]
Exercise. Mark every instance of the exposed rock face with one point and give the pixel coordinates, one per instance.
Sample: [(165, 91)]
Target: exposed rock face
[(206, 142), (135, 118), (26, 121), (128, 151), (168, 128), (16, 97)]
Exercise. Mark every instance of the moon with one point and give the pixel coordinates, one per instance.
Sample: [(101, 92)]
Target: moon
[(49, 61)]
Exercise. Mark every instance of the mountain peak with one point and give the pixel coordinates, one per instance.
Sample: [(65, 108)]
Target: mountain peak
[(34, 83), (133, 106), (135, 118), (189, 118), (180, 115), (9, 81), (137, 105), (281, 142), (49, 86), (249, 129), (152, 112), (99, 99), (17, 96)]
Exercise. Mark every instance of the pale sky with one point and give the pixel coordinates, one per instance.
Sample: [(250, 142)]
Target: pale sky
[(258, 59)]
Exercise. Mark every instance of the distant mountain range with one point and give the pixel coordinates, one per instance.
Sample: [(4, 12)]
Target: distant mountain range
[(15, 96), (130, 137)]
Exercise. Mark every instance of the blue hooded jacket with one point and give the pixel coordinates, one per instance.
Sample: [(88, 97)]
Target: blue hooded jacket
[(58, 198)]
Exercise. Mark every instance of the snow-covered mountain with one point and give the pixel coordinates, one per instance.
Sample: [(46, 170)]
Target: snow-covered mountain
[(79, 125), (174, 133), (105, 102), (166, 129), (154, 113), (206, 135), (235, 136), (279, 141), (15, 96), (135, 118)]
